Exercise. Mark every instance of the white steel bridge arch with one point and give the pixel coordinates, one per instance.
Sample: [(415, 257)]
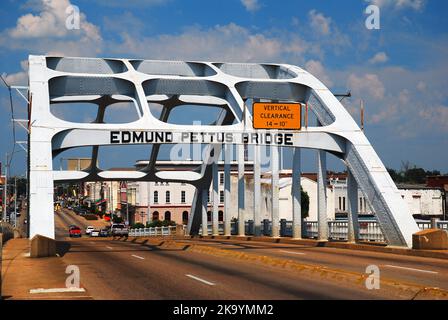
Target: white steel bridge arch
[(226, 85)]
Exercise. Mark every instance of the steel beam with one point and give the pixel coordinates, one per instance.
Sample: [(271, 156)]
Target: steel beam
[(296, 196), (215, 198), (322, 195), (352, 212), (241, 190), (275, 192)]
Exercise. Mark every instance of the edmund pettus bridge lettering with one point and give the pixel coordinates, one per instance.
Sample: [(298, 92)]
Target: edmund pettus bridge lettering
[(137, 137)]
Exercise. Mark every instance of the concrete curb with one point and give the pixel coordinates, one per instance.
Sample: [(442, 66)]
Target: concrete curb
[(438, 254), (382, 248)]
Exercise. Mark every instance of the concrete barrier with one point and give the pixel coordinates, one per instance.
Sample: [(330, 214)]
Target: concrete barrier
[(42, 247), (180, 230), (1, 259), (430, 239)]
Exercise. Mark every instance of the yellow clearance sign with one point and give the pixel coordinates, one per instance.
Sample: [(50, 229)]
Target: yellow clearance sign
[(277, 116)]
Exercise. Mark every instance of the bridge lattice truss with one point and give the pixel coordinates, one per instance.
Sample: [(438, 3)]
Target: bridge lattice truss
[(228, 86)]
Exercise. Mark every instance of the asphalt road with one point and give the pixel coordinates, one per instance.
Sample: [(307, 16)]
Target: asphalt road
[(112, 269)]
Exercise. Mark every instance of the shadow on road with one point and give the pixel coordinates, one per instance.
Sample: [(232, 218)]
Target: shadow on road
[(62, 247)]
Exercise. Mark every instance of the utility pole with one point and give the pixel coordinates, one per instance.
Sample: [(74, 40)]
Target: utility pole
[(127, 205), (15, 201), (362, 115), (5, 189)]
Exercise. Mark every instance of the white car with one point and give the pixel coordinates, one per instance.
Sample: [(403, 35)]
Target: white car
[(95, 233), (89, 229)]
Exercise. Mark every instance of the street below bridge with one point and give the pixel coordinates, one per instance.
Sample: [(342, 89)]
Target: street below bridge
[(238, 269)]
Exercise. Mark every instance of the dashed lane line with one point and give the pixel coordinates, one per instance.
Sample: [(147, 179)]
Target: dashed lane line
[(411, 269), (200, 280), (292, 252)]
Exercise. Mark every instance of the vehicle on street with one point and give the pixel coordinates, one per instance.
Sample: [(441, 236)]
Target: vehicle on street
[(89, 229), (74, 231), (95, 233), (104, 232), (119, 229)]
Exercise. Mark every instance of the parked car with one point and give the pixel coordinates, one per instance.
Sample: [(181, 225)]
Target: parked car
[(95, 233), (104, 232), (89, 229), (119, 229), (74, 231)]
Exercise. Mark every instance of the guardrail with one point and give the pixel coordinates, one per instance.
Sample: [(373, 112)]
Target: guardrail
[(369, 230), (153, 231)]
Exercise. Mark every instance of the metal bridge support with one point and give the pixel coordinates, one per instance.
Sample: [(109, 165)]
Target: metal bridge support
[(275, 192), (241, 190), (204, 194), (257, 192), (41, 212), (352, 212), (322, 195), (215, 198), (227, 201), (296, 196)]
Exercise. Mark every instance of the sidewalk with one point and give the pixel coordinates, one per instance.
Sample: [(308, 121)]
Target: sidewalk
[(20, 274)]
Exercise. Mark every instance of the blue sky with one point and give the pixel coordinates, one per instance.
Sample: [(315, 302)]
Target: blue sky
[(400, 70)]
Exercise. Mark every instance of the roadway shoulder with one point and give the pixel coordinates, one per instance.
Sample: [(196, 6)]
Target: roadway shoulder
[(27, 278)]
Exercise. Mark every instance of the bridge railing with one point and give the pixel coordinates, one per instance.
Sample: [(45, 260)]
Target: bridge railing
[(153, 231), (369, 230)]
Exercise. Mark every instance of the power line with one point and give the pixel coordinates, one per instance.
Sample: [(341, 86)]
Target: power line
[(13, 121)]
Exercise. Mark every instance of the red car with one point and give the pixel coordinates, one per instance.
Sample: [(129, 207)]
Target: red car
[(74, 231)]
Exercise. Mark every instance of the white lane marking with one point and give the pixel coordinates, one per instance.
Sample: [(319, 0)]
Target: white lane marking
[(109, 248), (199, 279), (138, 257), (57, 290), (292, 252), (412, 269)]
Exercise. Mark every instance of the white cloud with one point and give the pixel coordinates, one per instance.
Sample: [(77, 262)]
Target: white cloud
[(326, 34), (18, 78), (131, 3), (317, 69), (319, 22), (251, 5), (220, 43), (421, 86), (380, 57), (416, 5), (436, 116), (46, 30), (367, 85)]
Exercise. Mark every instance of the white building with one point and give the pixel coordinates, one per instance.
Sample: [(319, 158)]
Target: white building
[(172, 201), (423, 201)]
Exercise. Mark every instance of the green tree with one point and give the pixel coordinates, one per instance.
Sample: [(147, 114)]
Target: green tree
[(415, 175), (117, 219), (305, 203), (138, 225)]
